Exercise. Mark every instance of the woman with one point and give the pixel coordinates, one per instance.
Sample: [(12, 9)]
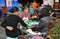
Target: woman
[(10, 24), (25, 15), (45, 20)]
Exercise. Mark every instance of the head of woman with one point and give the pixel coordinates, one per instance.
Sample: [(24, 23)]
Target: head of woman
[(47, 10), (25, 9), (14, 10)]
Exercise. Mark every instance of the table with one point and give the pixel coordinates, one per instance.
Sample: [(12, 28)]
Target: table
[(32, 22)]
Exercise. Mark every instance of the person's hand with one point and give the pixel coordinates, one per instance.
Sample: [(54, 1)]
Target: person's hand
[(9, 28), (34, 17), (39, 33)]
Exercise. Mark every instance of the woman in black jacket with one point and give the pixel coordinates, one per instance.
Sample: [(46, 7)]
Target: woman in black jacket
[(10, 24)]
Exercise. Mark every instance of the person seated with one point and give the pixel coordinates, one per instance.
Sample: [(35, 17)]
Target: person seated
[(43, 26), (25, 15)]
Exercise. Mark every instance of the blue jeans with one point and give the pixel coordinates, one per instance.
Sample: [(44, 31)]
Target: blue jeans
[(11, 37)]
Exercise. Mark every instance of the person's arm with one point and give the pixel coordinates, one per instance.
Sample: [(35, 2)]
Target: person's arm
[(21, 15), (3, 24), (29, 17), (22, 22)]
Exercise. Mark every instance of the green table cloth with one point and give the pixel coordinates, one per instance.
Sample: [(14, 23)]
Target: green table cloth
[(32, 22)]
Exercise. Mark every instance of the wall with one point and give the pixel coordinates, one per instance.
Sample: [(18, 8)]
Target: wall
[(52, 2)]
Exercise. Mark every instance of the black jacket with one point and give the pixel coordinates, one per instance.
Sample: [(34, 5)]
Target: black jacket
[(12, 20)]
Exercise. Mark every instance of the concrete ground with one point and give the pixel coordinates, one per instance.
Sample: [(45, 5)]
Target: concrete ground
[(2, 33)]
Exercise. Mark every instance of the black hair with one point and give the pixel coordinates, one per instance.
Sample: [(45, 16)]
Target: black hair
[(13, 9), (45, 10), (48, 7)]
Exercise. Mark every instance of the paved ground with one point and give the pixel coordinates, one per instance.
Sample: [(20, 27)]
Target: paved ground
[(2, 32)]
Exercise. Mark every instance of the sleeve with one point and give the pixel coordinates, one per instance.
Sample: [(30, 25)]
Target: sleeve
[(21, 15), (22, 22), (29, 17), (3, 24)]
